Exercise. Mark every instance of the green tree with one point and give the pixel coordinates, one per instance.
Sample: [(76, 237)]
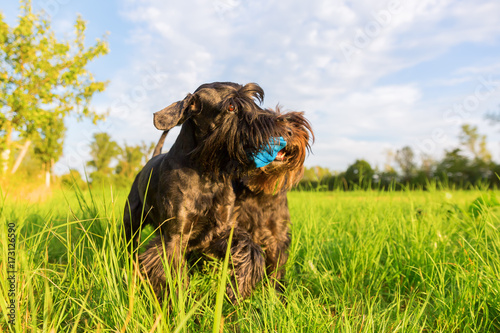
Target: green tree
[(389, 158), (43, 80), (316, 173), (428, 165), (454, 168), (360, 174), (130, 161), (405, 158), (48, 144), (102, 151), (475, 143)]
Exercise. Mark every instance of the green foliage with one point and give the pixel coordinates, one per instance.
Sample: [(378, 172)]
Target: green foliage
[(405, 158), (360, 174), (102, 151), (112, 164), (474, 142), (130, 160), (453, 165), (31, 166), (457, 169), (49, 143), (43, 80), (315, 173)]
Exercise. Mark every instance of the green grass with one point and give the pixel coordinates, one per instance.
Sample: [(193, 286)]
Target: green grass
[(359, 262)]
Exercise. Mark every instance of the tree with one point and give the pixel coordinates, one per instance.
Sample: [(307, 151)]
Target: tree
[(454, 167), (493, 116), (130, 161), (405, 158), (102, 151), (475, 143), (360, 173), (49, 143), (316, 173), (43, 80), (428, 165), (389, 158)]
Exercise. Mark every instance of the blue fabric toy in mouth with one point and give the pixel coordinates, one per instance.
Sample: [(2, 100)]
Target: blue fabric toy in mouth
[(270, 152)]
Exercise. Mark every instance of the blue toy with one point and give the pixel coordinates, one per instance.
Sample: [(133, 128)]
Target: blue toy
[(269, 153)]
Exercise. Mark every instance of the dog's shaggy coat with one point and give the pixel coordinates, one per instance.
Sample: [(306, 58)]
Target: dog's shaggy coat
[(207, 184)]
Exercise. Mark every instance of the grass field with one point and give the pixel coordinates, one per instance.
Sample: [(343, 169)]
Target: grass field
[(359, 262)]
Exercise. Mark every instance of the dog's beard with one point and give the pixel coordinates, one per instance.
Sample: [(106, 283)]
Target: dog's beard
[(276, 176), (286, 171)]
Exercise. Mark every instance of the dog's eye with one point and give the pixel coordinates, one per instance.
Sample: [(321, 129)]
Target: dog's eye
[(231, 108)]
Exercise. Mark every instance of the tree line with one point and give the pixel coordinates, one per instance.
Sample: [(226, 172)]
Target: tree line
[(466, 166)]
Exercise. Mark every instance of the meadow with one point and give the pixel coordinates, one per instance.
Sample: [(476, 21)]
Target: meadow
[(360, 261)]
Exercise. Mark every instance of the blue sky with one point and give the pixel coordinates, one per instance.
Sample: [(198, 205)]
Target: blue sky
[(371, 76)]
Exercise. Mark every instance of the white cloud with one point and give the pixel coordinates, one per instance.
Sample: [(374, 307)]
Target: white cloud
[(480, 70)]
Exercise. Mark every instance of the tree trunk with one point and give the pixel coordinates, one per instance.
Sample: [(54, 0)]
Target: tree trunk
[(52, 176), (47, 174), (5, 156), (21, 156)]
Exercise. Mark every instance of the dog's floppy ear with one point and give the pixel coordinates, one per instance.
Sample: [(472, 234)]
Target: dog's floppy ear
[(176, 113)]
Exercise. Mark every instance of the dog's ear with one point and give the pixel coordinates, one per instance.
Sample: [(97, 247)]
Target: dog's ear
[(176, 113)]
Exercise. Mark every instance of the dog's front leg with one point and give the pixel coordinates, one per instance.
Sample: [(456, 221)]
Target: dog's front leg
[(276, 257), (246, 259), (164, 261)]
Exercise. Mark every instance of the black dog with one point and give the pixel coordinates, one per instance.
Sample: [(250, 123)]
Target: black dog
[(262, 212), (188, 193)]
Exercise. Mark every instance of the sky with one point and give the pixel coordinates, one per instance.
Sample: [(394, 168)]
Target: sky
[(370, 76)]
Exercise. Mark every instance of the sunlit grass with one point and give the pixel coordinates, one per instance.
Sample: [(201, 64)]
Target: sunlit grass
[(359, 261)]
